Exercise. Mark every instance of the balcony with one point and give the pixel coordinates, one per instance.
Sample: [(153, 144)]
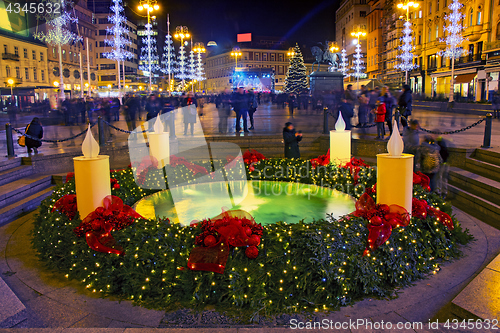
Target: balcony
[(492, 46), (468, 60), (10, 56), (473, 33)]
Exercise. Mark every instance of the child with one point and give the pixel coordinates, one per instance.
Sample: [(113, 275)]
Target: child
[(380, 118)]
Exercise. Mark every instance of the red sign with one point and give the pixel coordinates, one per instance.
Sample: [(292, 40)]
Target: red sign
[(244, 38)]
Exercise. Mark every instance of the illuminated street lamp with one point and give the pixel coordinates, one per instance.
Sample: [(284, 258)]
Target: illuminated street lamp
[(358, 62), (149, 6), (291, 52), (333, 47), (236, 53), (11, 82), (406, 55), (199, 48)]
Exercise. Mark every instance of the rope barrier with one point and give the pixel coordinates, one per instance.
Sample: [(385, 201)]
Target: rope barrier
[(450, 132), (53, 141), (125, 131)]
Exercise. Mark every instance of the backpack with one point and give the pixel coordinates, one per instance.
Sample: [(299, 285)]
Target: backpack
[(431, 161)]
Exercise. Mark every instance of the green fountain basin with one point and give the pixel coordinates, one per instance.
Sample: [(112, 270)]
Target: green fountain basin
[(267, 201)]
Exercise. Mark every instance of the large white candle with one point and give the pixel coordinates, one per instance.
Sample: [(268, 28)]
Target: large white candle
[(159, 144), (92, 179), (340, 142), (395, 174)]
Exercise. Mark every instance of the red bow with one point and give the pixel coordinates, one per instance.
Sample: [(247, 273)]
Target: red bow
[(66, 205), (420, 179), (382, 219), (97, 226), (321, 160), (235, 228), (421, 209), (175, 161)]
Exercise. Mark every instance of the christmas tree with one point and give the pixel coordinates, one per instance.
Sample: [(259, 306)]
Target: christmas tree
[(149, 52), (344, 64), (118, 42), (296, 77), (168, 60)]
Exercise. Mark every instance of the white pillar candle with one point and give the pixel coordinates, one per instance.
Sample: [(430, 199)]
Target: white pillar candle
[(340, 143)]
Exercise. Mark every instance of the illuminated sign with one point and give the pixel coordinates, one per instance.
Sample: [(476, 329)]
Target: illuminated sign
[(244, 38)]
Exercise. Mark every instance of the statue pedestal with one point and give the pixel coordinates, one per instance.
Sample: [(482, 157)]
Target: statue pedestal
[(324, 82)]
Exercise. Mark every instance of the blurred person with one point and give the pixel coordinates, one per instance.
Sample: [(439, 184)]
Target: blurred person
[(292, 101), (347, 113), (153, 107), (115, 108), (240, 105), (495, 104), (34, 129), (442, 176), (380, 114), (405, 103), (252, 107), (291, 139), (131, 109), (430, 160), (411, 140), (168, 113), (388, 100), (189, 111), (364, 108), (223, 105), (350, 96), (372, 103)]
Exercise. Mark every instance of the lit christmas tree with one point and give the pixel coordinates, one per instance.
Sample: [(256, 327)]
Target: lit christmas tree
[(406, 56), (58, 33), (118, 42), (181, 64), (358, 63), (344, 65), (149, 53), (296, 77), (199, 48), (168, 60), (192, 66), (454, 40)]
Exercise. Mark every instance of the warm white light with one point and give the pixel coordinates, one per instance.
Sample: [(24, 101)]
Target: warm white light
[(395, 145), (56, 84), (90, 148), (340, 124), (156, 7)]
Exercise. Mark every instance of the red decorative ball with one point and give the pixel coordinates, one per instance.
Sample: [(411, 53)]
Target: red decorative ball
[(254, 240), (248, 231), (252, 252), (394, 222), (116, 186), (209, 241), (376, 220)]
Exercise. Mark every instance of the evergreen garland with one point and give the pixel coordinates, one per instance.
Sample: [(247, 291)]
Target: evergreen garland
[(296, 77)]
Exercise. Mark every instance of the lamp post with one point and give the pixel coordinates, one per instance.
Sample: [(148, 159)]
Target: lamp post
[(149, 6), (236, 53), (406, 56), (333, 48), (358, 34), (182, 32), (11, 82), (290, 52)]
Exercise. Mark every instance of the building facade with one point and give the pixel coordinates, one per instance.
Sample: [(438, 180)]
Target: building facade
[(108, 68)]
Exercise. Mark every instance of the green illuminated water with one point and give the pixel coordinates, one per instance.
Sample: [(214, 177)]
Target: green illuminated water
[(266, 201)]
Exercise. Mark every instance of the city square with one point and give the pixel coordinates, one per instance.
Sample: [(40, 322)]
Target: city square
[(338, 172)]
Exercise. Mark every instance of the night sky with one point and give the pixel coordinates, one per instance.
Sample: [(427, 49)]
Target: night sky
[(220, 20)]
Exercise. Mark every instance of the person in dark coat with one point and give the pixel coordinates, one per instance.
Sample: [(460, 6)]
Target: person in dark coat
[(252, 107), (291, 139), (189, 111), (347, 111), (131, 106), (153, 107), (495, 104), (388, 100), (405, 104), (292, 101), (35, 130), (240, 105), (223, 105)]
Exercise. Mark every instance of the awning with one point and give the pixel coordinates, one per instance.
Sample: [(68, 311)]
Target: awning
[(464, 78)]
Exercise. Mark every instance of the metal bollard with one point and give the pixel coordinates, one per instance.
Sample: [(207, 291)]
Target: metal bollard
[(487, 132), (100, 128), (10, 140), (325, 120)]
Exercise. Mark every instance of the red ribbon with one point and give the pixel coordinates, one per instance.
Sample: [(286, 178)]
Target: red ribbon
[(97, 226), (195, 169), (66, 205), (421, 209), (423, 180), (235, 228), (381, 220)]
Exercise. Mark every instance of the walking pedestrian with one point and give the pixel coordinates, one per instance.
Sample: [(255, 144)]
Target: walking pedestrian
[(35, 130), (430, 160), (380, 114), (388, 100), (405, 105), (132, 106), (291, 139), (292, 101), (223, 105), (252, 107), (442, 176), (372, 103), (153, 107), (495, 105), (189, 111), (240, 106)]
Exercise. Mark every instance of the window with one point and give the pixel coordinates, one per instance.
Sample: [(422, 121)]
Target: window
[(431, 61), (18, 72), (41, 56), (54, 52), (419, 14), (26, 53), (108, 77), (35, 76), (16, 51), (430, 8), (256, 57), (362, 13), (102, 44), (280, 57), (91, 61), (70, 56), (273, 57), (264, 57), (429, 36), (445, 4), (479, 18), (7, 71), (26, 73), (102, 32), (437, 31), (90, 47), (420, 38), (33, 55), (437, 4), (471, 17), (103, 21), (43, 74), (375, 42), (5, 48), (108, 66), (64, 54)]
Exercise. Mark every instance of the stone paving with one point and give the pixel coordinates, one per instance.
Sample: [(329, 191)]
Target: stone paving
[(57, 304)]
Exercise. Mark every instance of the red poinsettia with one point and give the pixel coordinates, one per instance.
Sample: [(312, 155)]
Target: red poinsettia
[(250, 158), (114, 184), (234, 228), (355, 165), (147, 164), (381, 220), (97, 226), (421, 209), (420, 179), (194, 168), (66, 205), (321, 160), (69, 176)]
